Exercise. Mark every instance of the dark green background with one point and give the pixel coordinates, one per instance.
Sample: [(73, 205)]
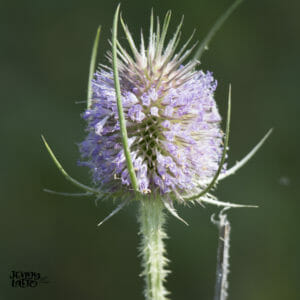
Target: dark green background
[(45, 51)]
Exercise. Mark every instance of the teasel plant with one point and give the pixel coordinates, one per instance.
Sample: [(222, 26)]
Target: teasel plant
[(154, 138)]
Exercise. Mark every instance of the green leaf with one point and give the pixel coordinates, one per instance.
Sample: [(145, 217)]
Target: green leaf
[(204, 44), (119, 103), (67, 176), (92, 67), (215, 178)]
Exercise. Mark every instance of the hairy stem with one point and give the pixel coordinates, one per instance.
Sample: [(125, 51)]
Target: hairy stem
[(152, 220), (221, 286)]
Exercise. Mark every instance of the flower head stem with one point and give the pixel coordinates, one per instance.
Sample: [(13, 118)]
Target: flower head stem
[(152, 219)]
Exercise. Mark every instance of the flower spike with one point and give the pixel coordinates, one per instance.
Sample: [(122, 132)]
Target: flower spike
[(164, 32), (128, 35)]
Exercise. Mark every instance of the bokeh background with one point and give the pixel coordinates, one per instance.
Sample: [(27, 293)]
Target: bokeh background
[(44, 60)]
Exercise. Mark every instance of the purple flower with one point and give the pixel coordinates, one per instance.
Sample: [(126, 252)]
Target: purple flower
[(173, 123)]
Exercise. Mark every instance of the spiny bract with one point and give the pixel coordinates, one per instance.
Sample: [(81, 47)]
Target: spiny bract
[(171, 116)]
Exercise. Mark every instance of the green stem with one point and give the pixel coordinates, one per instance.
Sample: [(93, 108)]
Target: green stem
[(152, 220)]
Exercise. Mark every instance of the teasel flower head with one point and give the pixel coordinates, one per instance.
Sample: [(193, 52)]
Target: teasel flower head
[(153, 134), (172, 119)]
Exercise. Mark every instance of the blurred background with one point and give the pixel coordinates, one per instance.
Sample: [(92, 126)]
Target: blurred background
[(44, 58)]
